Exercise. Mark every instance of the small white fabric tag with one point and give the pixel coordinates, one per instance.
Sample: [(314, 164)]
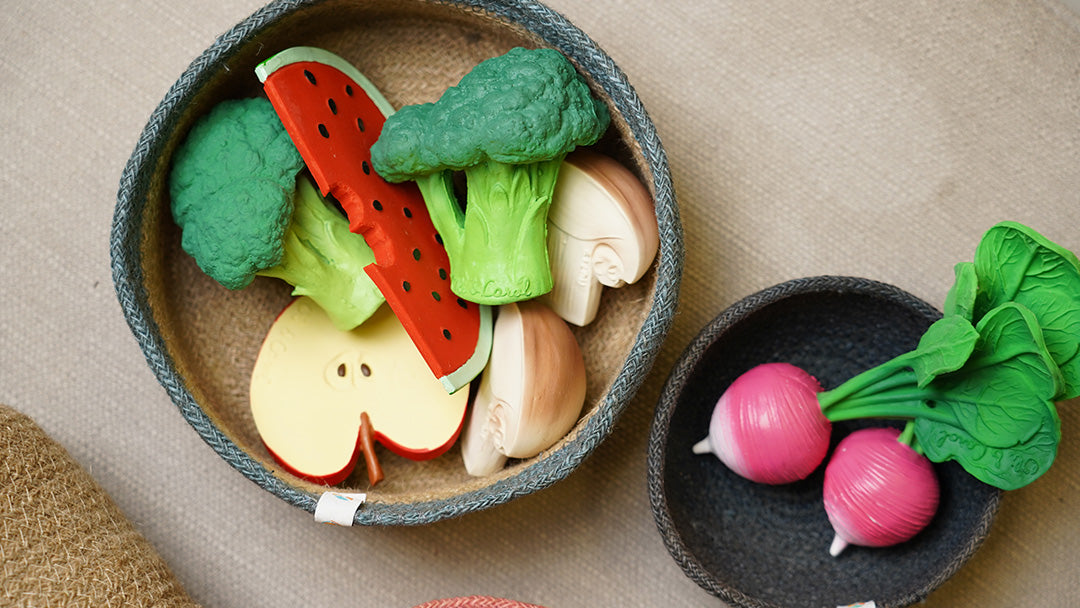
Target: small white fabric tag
[(860, 605), (338, 509)]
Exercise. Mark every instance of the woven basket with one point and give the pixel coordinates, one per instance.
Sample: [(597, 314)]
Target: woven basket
[(764, 546), (201, 340)]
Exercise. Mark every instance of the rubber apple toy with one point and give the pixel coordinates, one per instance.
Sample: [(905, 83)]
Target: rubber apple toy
[(321, 396)]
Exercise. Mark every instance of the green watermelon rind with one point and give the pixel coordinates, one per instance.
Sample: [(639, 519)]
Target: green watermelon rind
[(300, 54), (476, 363)]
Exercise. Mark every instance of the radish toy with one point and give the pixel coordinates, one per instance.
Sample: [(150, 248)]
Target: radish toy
[(878, 491), (768, 427), (980, 388)]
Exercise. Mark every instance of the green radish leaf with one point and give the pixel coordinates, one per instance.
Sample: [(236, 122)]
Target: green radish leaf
[(1000, 394), (944, 347), (1016, 264), (960, 301), (1000, 422), (1006, 468)]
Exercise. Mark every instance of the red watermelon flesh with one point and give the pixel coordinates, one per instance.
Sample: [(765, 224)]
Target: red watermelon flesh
[(333, 115)]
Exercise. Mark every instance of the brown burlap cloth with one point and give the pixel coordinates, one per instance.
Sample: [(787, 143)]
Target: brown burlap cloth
[(63, 541)]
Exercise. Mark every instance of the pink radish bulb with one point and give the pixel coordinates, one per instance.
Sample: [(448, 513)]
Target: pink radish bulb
[(878, 491), (768, 426)]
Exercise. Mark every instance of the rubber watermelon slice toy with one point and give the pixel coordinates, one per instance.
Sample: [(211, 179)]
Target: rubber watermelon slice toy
[(334, 114)]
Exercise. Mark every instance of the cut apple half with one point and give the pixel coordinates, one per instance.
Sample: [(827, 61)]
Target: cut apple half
[(320, 396)]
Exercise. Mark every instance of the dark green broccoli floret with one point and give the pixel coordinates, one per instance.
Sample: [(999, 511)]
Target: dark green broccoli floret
[(244, 211), (507, 125)]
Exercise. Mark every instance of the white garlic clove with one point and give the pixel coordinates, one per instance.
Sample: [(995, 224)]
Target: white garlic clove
[(531, 392)]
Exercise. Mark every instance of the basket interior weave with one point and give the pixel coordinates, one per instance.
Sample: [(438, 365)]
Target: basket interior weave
[(211, 335)]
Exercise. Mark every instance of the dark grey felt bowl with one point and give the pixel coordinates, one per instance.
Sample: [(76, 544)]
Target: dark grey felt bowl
[(768, 546), (201, 340)]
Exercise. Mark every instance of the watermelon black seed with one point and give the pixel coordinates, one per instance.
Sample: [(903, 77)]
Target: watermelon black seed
[(436, 295), (377, 205), (359, 122), (365, 370), (405, 285), (366, 168), (438, 238), (333, 105), (342, 370), (463, 304), (323, 131), (407, 212), (309, 76), (348, 90), (446, 333), (416, 254), (442, 273)]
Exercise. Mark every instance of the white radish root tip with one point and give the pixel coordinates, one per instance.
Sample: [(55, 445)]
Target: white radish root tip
[(838, 546), (703, 447)]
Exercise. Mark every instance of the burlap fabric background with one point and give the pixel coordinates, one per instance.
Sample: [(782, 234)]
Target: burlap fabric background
[(865, 138), (63, 540)]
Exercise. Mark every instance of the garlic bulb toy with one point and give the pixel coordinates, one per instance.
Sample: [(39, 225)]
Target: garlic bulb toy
[(531, 392)]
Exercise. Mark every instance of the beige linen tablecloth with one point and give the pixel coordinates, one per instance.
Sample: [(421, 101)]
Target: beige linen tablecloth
[(864, 137)]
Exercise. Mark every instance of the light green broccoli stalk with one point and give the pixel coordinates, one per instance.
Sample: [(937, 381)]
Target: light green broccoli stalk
[(508, 125), (244, 211)]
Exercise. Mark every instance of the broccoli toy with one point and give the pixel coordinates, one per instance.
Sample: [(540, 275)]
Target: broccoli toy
[(507, 125), (244, 211)]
